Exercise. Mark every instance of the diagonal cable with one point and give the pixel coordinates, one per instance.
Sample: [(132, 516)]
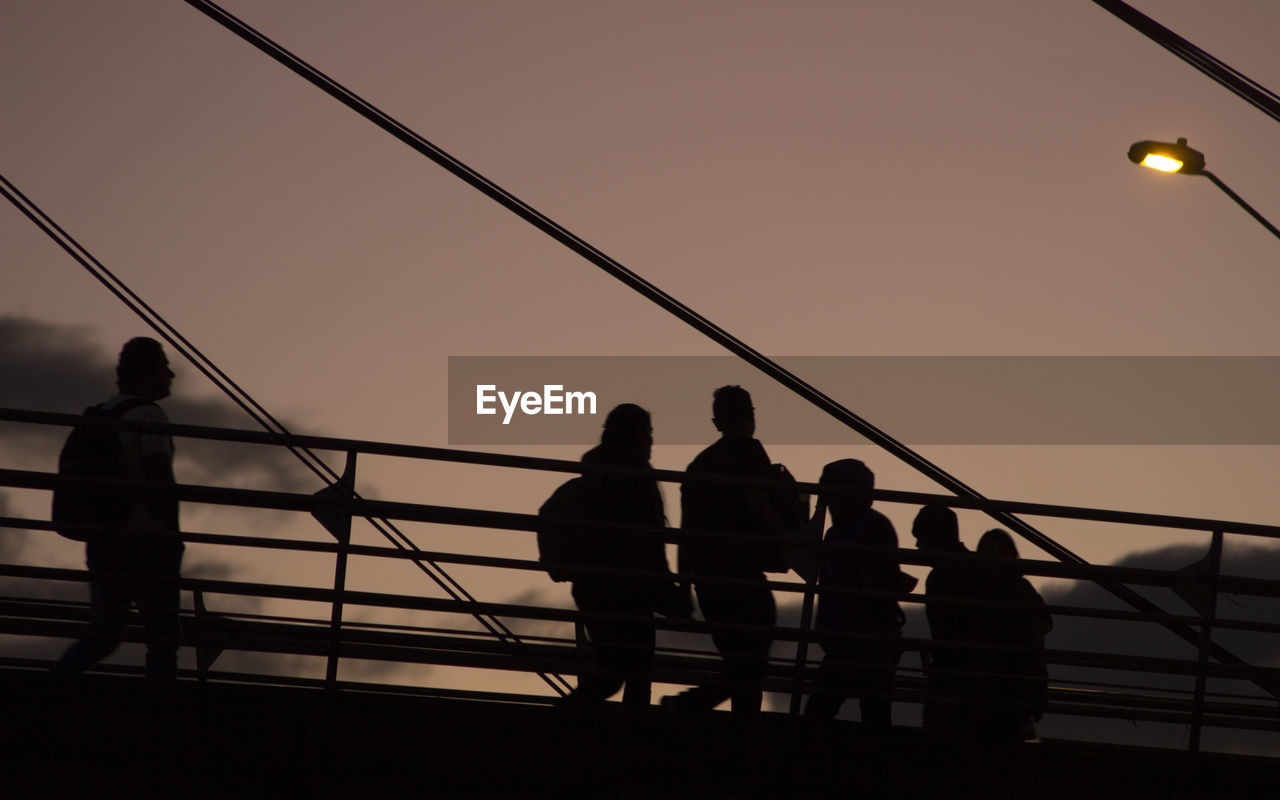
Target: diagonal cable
[(1247, 89)]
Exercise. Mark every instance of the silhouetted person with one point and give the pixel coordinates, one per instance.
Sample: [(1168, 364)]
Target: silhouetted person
[(735, 510), (861, 635), (950, 592), (1011, 682), (623, 648), (137, 563)]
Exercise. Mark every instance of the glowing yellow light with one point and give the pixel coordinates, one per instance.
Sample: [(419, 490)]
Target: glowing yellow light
[(1162, 163)]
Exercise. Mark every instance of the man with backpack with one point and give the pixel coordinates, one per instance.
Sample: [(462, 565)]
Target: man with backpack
[(728, 576), (132, 549)]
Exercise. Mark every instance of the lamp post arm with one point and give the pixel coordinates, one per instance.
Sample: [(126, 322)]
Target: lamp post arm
[(1217, 182)]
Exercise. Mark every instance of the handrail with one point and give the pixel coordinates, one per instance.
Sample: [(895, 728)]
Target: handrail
[(450, 645), (455, 455)]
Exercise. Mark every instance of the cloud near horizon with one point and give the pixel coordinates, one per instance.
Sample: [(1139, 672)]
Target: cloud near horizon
[(59, 368)]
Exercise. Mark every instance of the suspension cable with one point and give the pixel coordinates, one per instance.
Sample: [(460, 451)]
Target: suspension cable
[(260, 415), (1249, 90)]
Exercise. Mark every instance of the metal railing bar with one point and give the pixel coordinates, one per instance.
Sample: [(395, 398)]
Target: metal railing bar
[(674, 476), (321, 595)]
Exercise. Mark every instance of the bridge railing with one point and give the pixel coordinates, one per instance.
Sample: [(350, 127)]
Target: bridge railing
[(327, 621)]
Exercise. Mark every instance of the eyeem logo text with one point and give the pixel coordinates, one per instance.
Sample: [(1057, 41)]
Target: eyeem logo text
[(552, 400)]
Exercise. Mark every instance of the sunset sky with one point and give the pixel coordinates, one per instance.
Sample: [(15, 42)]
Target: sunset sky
[(837, 178)]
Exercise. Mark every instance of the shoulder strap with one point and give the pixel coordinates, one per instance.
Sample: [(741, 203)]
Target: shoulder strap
[(125, 406)]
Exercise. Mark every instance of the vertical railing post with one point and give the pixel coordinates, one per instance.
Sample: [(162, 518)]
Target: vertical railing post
[(1213, 567), (333, 510), (335, 619), (209, 647), (807, 562), (802, 644)]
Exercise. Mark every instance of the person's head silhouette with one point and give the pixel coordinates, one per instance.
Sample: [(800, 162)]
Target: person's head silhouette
[(732, 412), (936, 528), (628, 429), (143, 369), (996, 543), (854, 474)]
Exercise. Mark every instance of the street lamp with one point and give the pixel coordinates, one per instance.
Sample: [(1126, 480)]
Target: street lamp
[(1180, 158)]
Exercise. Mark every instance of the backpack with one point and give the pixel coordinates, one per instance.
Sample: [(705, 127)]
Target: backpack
[(91, 451), (792, 509), (562, 547), (791, 504)]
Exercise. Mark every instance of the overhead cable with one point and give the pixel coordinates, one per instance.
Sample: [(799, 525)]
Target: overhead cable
[(1249, 90), (257, 412)]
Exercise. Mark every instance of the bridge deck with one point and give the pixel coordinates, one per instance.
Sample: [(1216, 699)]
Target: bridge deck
[(226, 740)]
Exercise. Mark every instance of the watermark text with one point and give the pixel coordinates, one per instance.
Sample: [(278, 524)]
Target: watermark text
[(553, 399)]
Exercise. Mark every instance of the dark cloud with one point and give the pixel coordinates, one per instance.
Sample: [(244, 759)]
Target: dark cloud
[(548, 596), (1148, 639), (285, 664), (209, 569), (12, 540), (50, 367), (1242, 559), (59, 368)]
